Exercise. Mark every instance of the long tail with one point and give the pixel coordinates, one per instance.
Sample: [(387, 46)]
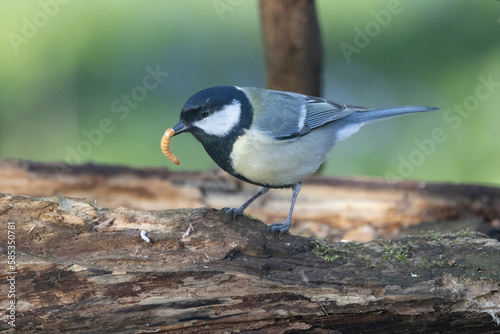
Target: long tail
[(368, 115)]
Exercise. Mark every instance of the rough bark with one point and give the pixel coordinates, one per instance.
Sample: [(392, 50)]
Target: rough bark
[(351, 209), (80, 272), (292, 45), (83, 268)]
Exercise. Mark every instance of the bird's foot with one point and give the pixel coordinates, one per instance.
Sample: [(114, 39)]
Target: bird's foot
[(234, 212), (282, 227)]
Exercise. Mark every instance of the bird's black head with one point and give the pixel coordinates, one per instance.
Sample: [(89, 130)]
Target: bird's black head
[(216, 117), (216, 110)]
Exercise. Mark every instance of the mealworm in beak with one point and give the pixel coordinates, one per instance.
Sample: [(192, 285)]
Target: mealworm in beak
[(165, 142)]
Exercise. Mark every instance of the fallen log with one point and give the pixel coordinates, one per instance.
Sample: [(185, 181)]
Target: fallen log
[(359, 209), (88, 269), (235, 276)]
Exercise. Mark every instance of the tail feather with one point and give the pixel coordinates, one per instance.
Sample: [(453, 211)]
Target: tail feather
[(368, 115)]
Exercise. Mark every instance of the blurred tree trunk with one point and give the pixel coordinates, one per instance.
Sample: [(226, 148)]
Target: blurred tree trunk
[(292, 45)]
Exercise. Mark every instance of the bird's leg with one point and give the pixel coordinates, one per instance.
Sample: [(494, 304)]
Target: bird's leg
[(239, 211), (285, 226)]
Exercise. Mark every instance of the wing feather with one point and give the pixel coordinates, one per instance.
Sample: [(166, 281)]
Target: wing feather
[(299, 114), (320, 112)]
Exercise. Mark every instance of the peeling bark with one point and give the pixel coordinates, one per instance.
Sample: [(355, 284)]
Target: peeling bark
[(351, 209), (83, 268)]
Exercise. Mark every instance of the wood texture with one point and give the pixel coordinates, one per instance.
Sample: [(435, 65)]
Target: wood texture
[(236, 277), (83, 268), (359, 209), (292, 45)]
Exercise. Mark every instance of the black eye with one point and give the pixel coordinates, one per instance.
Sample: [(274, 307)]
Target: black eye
[(204, 113)]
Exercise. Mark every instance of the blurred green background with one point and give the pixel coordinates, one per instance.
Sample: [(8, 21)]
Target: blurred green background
[(76, 85)]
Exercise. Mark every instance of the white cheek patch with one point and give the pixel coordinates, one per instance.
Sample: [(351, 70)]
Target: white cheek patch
[(221, 122)]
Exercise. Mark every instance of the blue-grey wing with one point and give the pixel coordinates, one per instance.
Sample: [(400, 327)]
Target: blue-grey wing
[(317, 112), (320, 111), (286, 115)]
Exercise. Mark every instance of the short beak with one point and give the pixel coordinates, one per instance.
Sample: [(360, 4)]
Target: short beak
[(179, 128)]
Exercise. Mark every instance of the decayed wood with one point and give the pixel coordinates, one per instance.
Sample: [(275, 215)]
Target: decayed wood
[(292, 45), (349, 209), (233, 276)]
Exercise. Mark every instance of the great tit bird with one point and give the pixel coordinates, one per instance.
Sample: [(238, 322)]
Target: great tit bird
[(270, 138)]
